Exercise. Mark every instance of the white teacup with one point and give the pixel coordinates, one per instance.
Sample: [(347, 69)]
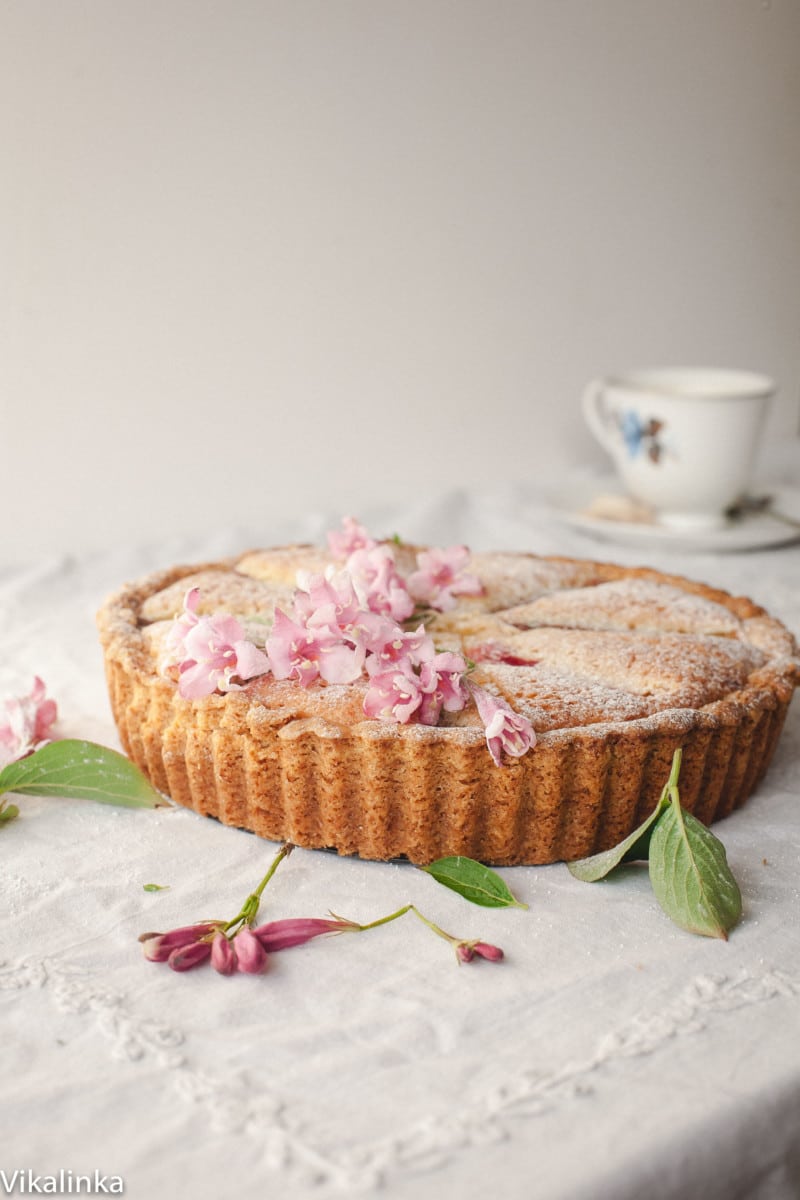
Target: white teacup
[(683, 439)]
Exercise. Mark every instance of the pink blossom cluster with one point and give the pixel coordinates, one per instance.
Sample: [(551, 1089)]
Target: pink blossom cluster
[(332, 636), (440, 577), (246, 951), (241, 945), (25, 723), (348, 625)]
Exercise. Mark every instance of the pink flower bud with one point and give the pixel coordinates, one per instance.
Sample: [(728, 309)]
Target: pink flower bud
[(295, 931), (157, 947), (186, 957), (467, 951), (492, 953), (251, 957), (223, 955)]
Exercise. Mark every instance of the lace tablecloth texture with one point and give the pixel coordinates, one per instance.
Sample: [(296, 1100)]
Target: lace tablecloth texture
[(610, 1055)]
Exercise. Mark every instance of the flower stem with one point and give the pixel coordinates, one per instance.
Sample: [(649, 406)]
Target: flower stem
[(284, 852), (401, 912), (249, 910), (672, 782), (669, 792)]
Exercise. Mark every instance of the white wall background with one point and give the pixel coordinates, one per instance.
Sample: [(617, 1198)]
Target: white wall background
[(262, 256)]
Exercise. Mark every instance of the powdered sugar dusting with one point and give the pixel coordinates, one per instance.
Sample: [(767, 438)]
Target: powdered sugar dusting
[(556, 699), (220, 591), (689, 671), (636, 604)]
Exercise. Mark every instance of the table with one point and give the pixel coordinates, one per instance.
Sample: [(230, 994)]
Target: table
[(609, 1055)]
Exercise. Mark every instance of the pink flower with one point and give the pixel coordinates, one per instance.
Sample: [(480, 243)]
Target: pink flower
[(25, 723), (377, 583), (307, 653), (505, 730), (327, 601), (441, 680), (45, 712), (251, 957), (173, 644), (223, 955), (353, 536), (157, 947), (388, 643), (394, 694), (296, 931), (467, 951), (211, 653), (441, 577), (400, 692)]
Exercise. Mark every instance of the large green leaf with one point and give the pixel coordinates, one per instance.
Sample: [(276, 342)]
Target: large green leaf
[(690, 875), (80, 770)]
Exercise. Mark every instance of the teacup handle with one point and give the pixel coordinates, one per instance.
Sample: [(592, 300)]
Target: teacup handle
[(596, 415)]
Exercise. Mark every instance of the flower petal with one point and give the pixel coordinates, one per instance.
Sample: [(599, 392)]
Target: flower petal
[(223, 955), (296, 931), (186, 957), (251, 957)]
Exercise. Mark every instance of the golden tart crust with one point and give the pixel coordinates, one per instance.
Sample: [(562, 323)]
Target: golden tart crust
[(616, 668)]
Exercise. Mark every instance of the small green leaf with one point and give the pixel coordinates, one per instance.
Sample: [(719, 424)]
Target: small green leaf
[(473, 881), (8, 812), (690, 875), (80, 770), (155, 887)]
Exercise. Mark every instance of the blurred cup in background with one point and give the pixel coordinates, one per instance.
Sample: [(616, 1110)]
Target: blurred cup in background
[(683, 439)]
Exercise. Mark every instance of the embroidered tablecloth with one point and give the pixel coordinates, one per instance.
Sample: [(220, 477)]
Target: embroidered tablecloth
[(610, 1055)]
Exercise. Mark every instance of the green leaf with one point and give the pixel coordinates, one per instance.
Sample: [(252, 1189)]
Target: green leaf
[(636, 845), (473, 881), (80, 770), (155, 887), (690, 875)]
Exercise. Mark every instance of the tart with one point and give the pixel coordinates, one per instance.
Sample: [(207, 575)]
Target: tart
[(609, 668)]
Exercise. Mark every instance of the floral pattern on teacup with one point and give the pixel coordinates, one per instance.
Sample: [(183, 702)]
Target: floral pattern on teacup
[(642, 436)]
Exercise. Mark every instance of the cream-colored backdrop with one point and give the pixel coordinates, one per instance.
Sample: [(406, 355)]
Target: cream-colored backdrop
[(263, 257)]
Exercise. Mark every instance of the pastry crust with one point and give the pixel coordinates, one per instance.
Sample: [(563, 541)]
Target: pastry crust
[(616, 668)]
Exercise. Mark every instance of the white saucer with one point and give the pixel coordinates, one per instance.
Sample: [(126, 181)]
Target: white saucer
[(752, 531)]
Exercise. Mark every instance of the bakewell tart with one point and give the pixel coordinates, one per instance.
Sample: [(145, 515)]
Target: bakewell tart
[(386, 700)]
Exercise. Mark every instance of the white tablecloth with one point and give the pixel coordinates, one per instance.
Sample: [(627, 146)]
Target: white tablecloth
[(610, 1055)]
